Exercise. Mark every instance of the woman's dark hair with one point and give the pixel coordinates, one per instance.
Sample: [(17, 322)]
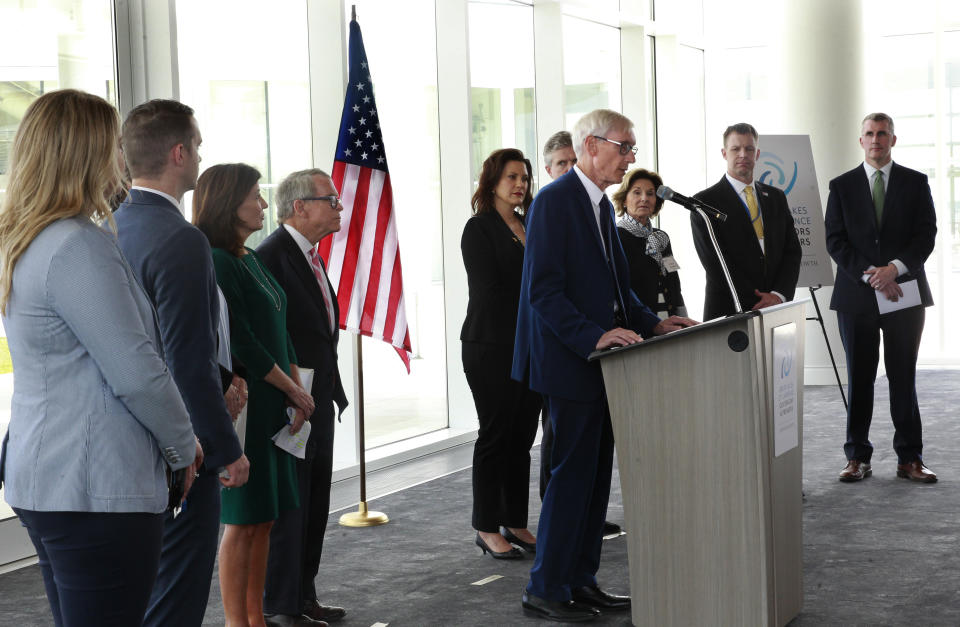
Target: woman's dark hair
[(220, 190), (639, 174), (490, 174)]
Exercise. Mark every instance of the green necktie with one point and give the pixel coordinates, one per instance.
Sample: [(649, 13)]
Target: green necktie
[(878, 193)]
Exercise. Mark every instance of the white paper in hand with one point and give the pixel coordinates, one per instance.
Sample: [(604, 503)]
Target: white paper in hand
[(910, 298), (295, 444)]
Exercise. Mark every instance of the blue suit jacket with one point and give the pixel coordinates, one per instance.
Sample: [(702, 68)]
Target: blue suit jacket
[(567, 294), (855, 241), (171, 259)]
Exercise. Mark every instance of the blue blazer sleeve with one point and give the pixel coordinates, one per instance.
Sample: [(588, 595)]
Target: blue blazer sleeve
[(184, 290)]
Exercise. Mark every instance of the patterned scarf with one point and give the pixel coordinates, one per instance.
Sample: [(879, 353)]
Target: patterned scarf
[(657, 240)]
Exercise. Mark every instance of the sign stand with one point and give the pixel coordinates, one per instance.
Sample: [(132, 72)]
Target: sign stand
[(826, 340)]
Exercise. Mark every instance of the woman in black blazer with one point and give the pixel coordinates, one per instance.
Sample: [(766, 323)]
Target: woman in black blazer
[(492, 246), (653, 270)]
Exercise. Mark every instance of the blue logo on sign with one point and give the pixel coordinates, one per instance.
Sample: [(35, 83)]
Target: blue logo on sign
[(774, 172), (786, 365)]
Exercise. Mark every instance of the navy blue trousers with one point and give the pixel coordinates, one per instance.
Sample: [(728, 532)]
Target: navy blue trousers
[(186, 561), (901, 343), (570, 532), (98, 568)]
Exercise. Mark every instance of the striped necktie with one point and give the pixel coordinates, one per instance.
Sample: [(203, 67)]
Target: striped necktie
[(754, 211), (321, 275)]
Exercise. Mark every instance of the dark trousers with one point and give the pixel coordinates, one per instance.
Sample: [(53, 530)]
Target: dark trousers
[(186, 561), (507, 412), (861, 334), (569, 535), (296, 539), (546, 448), (98, 568)]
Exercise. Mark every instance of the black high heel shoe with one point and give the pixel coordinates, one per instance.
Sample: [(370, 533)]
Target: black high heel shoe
[(509, 536), (513, 554)]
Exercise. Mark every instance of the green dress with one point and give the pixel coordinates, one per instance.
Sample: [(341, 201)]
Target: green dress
[(258, 339)]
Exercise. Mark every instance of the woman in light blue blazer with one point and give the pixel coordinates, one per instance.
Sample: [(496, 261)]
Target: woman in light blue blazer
[(96, 420)]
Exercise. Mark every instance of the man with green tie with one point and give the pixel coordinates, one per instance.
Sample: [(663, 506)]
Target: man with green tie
[(881, 227)]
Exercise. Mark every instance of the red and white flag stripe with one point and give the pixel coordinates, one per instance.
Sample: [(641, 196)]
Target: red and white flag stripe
[(363, 258)]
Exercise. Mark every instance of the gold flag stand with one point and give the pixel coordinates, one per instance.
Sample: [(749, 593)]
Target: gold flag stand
[(362, 517)]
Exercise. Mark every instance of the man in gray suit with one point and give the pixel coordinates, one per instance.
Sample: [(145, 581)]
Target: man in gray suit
[(171, 259)]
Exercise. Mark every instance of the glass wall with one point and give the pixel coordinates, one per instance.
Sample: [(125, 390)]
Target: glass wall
[(918, 84), (400, 406), (502, 108), (590, 81), (251, 97), (46, 46)]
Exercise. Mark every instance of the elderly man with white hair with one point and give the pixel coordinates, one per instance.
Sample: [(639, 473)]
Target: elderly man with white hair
[(575, 298)]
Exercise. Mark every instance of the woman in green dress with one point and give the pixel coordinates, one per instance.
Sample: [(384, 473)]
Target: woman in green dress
[(228, 208)]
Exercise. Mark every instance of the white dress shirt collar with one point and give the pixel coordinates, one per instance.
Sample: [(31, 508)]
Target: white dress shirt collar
[(739, 186), (173, 201), (596, 195), (886, 173), (299, 238)]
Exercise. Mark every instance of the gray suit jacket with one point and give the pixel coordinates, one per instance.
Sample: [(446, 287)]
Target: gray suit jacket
[(95, 414)]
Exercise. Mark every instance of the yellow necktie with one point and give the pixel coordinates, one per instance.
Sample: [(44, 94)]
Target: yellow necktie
[(754, 212)]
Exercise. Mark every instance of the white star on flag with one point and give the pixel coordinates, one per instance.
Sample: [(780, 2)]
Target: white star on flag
[(363, 257)]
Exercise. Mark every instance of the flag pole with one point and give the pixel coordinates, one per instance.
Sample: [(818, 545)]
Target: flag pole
[(362, 517)]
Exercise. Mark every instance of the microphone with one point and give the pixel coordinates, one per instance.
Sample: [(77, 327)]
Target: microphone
[(691, 204)]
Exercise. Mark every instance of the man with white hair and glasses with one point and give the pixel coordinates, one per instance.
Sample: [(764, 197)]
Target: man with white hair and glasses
[(575, 298)]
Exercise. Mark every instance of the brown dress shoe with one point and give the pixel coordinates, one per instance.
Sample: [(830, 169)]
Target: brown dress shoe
[(916, 471), (855, 471)]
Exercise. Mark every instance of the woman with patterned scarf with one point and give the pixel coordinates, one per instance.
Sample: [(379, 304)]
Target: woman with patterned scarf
[(653, 270)]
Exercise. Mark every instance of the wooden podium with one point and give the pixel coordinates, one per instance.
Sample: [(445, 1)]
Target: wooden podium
[(709, 433)]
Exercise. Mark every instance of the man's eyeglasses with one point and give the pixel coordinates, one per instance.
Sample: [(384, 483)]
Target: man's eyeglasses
[(624, 146), (333, 200)]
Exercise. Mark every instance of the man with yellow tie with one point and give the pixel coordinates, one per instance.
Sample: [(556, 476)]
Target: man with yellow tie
[(758, 240)]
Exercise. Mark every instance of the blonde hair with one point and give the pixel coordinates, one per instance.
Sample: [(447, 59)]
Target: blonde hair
[(63, 163)]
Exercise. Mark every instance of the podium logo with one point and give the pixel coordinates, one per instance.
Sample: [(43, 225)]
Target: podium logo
[(774, 172), (786, 365)]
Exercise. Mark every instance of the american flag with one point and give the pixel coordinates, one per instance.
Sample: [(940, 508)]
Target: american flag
[(363, 258)]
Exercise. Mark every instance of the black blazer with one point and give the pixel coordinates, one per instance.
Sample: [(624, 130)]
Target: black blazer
[(493, 257), (307, 320), (855, 240), (774, 269), (646, 280)]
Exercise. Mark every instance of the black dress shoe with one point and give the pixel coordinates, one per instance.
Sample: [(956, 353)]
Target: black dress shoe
[(288, 620), (595, 597), (529, 547), (513, 554), (610, 528), (329, 613), (559, 611)]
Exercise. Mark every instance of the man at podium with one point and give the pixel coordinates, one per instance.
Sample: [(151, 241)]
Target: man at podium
[(575, 298)]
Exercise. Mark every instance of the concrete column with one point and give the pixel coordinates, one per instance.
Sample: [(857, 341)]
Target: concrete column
[(548, 70), (456, 187), (823, 87)]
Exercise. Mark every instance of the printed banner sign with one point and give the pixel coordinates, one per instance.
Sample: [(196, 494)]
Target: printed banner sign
[(786, 161)]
